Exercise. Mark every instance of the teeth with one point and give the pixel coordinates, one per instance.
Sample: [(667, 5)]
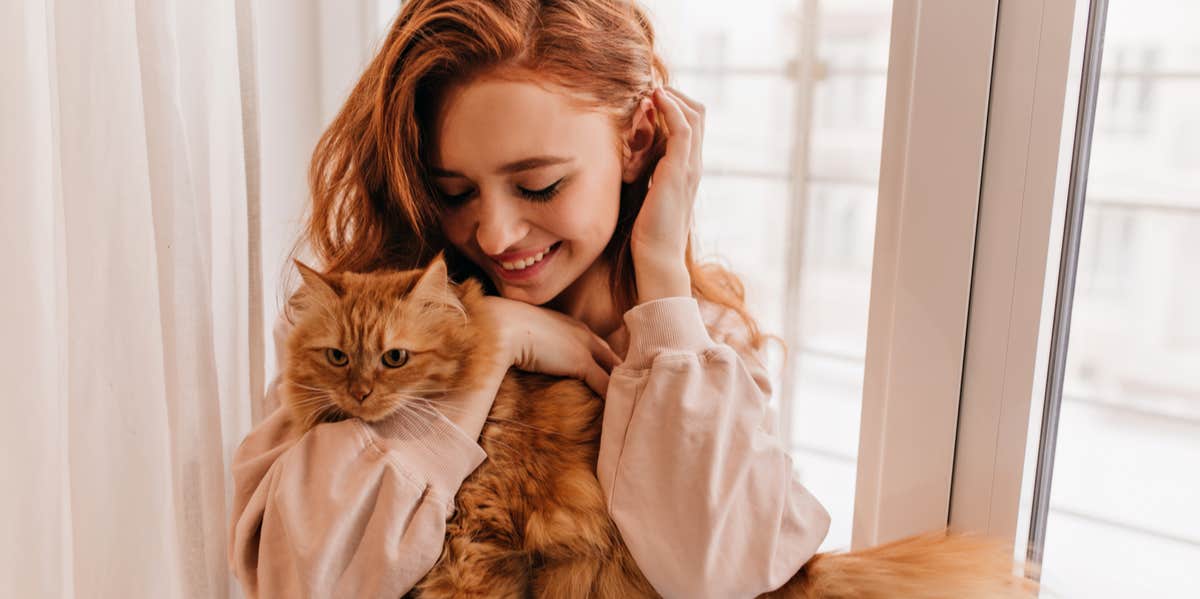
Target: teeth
[(526, 263)]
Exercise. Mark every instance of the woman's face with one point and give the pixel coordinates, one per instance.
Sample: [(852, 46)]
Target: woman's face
[(523, 174)]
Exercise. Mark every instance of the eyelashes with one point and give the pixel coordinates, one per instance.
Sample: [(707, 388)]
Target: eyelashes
[(541, 195), (536, 195)]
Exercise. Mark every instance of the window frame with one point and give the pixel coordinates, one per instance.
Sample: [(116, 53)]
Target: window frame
[(947, 444), (1037, 78), (935, 126)]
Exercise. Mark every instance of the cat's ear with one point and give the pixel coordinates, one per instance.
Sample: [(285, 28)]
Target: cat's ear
[(324, 288), (434, 289)]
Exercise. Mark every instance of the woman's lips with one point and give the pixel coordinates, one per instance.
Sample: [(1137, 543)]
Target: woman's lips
[(531, 271)]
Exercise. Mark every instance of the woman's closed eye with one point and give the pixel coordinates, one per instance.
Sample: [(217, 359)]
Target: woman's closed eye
[(541, 195), (544, 194)]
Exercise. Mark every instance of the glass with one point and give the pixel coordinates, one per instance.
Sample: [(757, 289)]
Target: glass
[(737, 223), (1122, 518), (782, 79)]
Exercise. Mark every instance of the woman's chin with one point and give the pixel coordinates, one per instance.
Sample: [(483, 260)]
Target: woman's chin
[(537, 295)]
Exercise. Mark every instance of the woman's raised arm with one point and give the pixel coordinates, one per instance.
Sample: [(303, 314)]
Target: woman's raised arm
[(700, 487)]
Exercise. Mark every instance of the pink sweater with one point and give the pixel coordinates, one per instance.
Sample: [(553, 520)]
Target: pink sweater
[(702, 491)]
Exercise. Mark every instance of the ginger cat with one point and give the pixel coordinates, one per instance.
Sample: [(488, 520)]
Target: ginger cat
[(531, 519)]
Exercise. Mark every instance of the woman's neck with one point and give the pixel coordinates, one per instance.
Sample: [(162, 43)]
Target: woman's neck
[(589, 300)]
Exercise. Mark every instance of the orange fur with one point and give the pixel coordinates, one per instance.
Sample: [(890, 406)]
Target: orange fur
[(531, 520), (933, 565)]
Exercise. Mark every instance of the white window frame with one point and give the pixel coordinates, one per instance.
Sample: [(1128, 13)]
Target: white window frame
[(935, 123), (1029, 145), (956, 342)]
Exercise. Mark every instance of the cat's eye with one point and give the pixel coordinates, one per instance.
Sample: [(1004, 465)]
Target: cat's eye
[(395, 358), (336, 356)]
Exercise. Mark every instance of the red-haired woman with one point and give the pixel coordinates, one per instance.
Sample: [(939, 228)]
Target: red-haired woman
[(534, 142)]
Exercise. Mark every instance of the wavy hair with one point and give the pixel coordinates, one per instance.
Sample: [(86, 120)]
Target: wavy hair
[(374, 204)]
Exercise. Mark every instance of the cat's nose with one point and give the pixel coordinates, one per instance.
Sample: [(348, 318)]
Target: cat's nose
[(360, 393)]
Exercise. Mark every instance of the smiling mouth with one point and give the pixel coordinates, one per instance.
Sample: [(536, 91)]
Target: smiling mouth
[(520, 265), (526, 271)]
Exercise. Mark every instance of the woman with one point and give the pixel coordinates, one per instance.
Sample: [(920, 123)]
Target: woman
[(534, 143)]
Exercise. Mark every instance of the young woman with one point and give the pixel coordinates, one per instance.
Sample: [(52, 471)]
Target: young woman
[(534, 142)]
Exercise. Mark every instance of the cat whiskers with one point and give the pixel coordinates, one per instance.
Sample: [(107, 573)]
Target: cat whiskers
[(316, 405), (332, 413), (306, 387), (309, 399), (490, 418), (435, 392), (430, 410)]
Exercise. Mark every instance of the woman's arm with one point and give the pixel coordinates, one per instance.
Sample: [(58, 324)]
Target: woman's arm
[(346, 509), (702, 491)]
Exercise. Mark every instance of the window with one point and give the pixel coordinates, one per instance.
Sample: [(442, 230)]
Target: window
[(794, 92), (1124, 483), (1080, 376), (918, 291)]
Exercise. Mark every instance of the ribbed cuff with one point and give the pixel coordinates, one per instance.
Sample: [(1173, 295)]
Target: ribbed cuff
[(430, 448), (669, 324)]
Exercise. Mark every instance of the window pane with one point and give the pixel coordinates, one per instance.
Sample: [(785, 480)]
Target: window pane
[(1122, 514), (744, 115), (757, 206), (737, 223), (708, 34)]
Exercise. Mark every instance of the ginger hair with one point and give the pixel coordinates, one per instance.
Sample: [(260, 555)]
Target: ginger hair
[(374, 204)]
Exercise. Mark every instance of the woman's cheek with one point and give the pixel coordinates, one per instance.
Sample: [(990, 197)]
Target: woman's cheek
[(455, 229), (595, 211)]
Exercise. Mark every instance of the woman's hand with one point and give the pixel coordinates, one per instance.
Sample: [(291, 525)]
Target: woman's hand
[(537, 339), (661, 230)]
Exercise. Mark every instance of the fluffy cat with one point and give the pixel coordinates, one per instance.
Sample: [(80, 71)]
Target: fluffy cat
[(531, 519)]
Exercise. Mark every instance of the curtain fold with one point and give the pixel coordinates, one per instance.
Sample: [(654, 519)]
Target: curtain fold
[(153, 158), (129, 350)]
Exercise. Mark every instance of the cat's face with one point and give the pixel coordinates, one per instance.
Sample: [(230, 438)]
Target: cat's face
[(367, 345)]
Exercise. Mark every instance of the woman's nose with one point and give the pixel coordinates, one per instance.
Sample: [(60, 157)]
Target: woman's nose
[(500, 225)]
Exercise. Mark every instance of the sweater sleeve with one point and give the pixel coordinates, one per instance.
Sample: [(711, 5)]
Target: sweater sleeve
[(702, 491), (346, 509)]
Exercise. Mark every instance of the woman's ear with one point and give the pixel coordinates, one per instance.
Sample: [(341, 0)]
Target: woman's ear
[(638, 141)]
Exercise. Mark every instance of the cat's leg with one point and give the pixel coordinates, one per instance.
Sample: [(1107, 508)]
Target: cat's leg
[(574, 577), (620, 578), (469, 569), (596, 566), (578, 546), (482, 556)]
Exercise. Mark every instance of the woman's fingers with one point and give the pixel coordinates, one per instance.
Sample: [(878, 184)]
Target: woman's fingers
[(679, 138), (601, 352), (688, 100), (694, 112), (549, 342), (597, 379)]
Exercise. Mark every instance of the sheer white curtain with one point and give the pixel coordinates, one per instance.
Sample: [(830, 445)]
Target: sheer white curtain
[(141, 267), (132, 313)]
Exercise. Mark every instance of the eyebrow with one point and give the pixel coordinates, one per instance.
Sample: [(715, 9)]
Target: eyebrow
[(512, 167)]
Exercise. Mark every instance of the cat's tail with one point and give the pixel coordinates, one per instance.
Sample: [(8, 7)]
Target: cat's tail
[(933, 565)]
